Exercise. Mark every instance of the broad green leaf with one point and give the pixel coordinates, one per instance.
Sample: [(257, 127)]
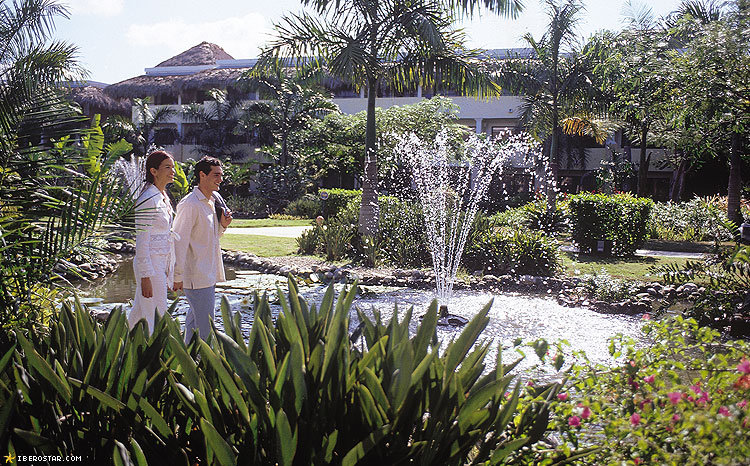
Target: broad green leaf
[(287, 442), (44, 369), (360, 449), (216, 443), (458, 349), (226, 379), (105, 398), (137, 457)]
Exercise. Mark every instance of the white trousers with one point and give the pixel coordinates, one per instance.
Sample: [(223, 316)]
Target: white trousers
[(146, 308)]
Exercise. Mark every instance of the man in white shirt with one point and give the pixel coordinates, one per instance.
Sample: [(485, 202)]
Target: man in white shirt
[(198, 264)]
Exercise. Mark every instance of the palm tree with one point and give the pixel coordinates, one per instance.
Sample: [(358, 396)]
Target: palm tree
[(219, 119), (371, 43), (289, 108), (140, 132), (48, 208), (556, 83)]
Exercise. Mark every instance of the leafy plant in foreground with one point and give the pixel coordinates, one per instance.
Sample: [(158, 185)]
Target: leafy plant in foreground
[(293, 391)]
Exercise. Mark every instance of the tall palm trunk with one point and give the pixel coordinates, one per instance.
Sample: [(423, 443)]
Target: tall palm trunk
[(554, 160), (643, 163), (368, 212), (735, 179)]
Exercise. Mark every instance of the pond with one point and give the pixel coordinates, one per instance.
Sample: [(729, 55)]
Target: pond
[(512, 315)]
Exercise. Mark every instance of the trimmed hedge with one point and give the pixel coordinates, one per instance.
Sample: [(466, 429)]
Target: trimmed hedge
[(339, 199), (621, 218), (503, 250)]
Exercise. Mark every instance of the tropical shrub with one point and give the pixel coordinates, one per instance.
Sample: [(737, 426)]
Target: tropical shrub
[(252, 206), (620, 218), (280, 185), (307, 206), (340, 199), (700, 219), (502, 250), (296, 390), (682, 399), (726, 302), (401, 236), (534, 215)]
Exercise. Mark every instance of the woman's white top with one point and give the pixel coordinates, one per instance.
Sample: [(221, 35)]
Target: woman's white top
[(153, 222)]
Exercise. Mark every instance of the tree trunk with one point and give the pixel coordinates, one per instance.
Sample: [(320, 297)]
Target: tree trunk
[(368, 212), (643, 163), (554, 168), (735, 180), (284, 151), (679, 182)]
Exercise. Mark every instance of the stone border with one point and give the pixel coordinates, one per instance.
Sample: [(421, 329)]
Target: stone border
[(569, 291)]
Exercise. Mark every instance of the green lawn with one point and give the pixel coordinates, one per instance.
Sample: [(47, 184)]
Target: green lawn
[(633, 268), (262, 246), (268, 222)]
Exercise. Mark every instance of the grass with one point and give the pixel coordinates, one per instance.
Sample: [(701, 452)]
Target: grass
[(262, 246), (268, 222), (632, 268)]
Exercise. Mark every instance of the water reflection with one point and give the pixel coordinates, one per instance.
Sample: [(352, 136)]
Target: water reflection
[(512, 315)]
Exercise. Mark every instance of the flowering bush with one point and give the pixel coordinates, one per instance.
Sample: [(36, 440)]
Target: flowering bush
[(682, 400)]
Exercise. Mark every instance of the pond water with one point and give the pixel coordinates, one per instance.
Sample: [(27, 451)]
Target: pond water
[(512, 315)]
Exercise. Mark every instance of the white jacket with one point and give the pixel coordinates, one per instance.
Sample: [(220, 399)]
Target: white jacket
[(153, 222), (197, 251)]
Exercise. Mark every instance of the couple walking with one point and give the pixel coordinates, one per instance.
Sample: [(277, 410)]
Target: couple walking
[(179, 251)]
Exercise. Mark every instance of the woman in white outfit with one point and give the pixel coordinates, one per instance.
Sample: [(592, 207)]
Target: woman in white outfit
[(154, 242)]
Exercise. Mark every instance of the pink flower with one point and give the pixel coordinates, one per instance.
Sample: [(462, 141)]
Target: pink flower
[(674, 397), (744, 366), (637, 461), (646, 316), (635, 419), (742, 403), (574, 421), (650, 379), (530, 383), (586, 413), (723, 410), (562, 396), (675, 417)]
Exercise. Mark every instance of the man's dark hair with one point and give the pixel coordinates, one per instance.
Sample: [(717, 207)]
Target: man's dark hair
[(204, 165)]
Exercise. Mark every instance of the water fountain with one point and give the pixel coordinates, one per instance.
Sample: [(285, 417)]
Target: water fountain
[(133, 173), (451, 186)]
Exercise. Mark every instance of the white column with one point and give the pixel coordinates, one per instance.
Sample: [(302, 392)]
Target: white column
[(362, 92), (257, 94), (419, 91), (479, 125)]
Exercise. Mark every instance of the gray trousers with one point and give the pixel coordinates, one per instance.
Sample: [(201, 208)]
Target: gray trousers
[(201, 312)]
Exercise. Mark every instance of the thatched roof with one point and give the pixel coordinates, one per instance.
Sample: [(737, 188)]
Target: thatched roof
[(219, 77), (93, 99), (204, 53), (145, 85)]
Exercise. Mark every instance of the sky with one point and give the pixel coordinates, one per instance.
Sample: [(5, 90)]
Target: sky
[(117, 39)]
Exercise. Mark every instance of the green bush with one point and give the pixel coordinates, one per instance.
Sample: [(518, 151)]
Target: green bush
[(400, 241), (280, 185), (296, 391), (502, 250), (252, 206), (401, 233), (700, 219), (534, 215), (307, 206), (340, 199), (620, 218)]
